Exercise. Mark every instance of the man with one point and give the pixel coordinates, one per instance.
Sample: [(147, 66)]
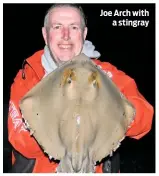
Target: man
[(64, 33)]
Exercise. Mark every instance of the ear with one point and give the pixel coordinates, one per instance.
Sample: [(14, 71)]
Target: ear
[(85, 32), (44, 32)]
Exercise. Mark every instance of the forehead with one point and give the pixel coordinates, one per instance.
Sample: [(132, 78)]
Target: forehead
[(65, 15)]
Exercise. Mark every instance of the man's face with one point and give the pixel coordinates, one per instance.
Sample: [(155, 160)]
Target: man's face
[(65, 35)]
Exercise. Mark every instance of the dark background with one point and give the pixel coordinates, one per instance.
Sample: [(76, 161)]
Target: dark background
[(131, 50)]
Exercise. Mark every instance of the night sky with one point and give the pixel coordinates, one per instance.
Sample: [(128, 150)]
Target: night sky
[(130, 49)]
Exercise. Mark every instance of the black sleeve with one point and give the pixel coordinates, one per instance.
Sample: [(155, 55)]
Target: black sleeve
[(22, 164), (112, 164)]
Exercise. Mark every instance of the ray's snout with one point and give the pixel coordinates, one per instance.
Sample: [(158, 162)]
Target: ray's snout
[(80, 84)]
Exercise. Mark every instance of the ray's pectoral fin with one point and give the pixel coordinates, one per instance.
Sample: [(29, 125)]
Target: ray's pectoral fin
[(129, 112), (37, 114)]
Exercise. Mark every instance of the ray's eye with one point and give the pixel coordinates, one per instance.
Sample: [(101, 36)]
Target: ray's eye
[(94, 83), (69, 80)]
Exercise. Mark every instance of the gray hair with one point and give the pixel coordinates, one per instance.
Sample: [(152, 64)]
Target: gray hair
[(79, 8)]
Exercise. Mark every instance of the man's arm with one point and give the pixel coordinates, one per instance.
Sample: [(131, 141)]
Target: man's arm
[(144, 110), (19, 137)]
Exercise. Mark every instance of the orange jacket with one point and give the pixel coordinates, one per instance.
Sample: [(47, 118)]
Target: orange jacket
[(20, 138)]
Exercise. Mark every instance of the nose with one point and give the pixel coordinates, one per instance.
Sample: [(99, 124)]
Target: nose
[(66, 34)]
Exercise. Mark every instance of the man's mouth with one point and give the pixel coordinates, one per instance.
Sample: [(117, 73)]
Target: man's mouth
[(65, 46)]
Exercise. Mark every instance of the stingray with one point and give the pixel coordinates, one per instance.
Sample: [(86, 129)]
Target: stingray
[(77, 115)]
